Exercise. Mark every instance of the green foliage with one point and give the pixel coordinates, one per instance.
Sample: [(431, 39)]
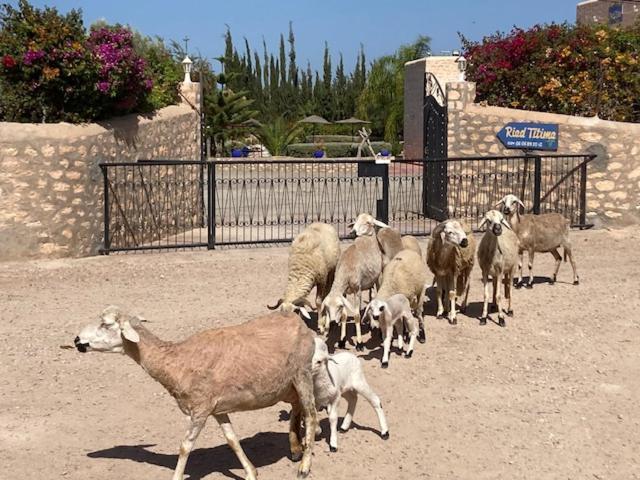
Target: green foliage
[(277, 135), (575, 70), (382, 99), (331, 138)]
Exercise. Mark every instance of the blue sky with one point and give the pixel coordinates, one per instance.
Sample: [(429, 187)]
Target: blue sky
[(380, 25)]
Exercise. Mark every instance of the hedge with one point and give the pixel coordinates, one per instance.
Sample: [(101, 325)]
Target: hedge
[(333, 150), (331, 139)]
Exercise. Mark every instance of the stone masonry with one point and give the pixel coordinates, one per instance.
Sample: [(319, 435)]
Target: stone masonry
[(51, 186)]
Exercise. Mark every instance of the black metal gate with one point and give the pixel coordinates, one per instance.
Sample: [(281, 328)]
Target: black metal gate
[(186, 204), (435, 147)]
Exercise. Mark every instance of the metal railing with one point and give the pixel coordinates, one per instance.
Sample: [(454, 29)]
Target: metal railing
[(185, 204)]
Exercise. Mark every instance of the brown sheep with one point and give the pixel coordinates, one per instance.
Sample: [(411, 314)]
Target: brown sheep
[(220, 371)]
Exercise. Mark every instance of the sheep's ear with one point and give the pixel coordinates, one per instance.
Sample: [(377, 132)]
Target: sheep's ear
[(129, 333), (442, 236), (351, 225), (348, 305), (483, 223), (501, 202), (380, 224), (506, 224), (521, 204), (303, 311)]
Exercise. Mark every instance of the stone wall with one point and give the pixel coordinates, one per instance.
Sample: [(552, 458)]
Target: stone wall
[(597, 11), (51, 186), (613, 184)]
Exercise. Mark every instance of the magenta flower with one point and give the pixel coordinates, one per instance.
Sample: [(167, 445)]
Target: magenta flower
[(103, 86), (32, 56)]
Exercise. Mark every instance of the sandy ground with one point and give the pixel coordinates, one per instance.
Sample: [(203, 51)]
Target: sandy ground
[(552, 396)]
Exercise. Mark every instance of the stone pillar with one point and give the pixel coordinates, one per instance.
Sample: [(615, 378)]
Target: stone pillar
[(191, 95)]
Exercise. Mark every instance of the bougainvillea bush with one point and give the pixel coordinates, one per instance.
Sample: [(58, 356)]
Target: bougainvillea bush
[(51, 70), (574, 70)]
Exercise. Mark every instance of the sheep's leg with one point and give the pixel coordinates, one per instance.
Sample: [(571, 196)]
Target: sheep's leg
[(358, 321), (558, 259), (499, 299), (531, 255), (439, 292), (352, 400), (507, 293), (452, 301), (294, 432), (197, 424), (234, 443), (413, 325), (303, 384), (467, 286), (494, 281), (518, 282), (568, 253), (398, 327), (422, 336), (365, 390), (333, 422), (485, 305), (342, 343), (387, 343)]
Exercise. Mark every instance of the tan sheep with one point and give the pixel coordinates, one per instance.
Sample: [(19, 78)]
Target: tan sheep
[(220, 371), (450, 256), (539, 233), (312, 263), (411, 243), (498, 259)]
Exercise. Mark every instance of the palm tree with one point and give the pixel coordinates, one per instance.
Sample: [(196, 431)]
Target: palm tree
[(277, 135)]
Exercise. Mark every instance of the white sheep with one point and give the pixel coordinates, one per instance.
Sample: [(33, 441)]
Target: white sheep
[(539, 233), (220, 371), (498, 258), (411, 243), (389, 239), (450, 256), (337, 376), (312, 263), (359, 268), (406, 274), (392, 314)]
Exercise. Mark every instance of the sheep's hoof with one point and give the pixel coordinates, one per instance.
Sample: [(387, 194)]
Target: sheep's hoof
[(453, 321), (510, 313), (439, 316), (576, 282), (463, 309), (553, 280), (342, 344), (422, 336), (408, 354), (359, 347), (529, 285), (296, 457), (333, 449), (483, 321), (501, 322), (384, 436), (385, 364), (342, 430), (303, 473), (516, 283)]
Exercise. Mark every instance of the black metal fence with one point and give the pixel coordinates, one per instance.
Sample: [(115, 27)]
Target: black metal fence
[(184, 204)]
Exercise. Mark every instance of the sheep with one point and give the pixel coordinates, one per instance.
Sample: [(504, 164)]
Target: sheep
[(312, 263), (389, 239), (538, 233), (358, 269), (337, 376), (411, 243), (450, 257), (391, 315), (407, 275), (498, 258), (220, 371)]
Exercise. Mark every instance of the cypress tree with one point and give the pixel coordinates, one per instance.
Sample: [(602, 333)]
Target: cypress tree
[(293, 68)]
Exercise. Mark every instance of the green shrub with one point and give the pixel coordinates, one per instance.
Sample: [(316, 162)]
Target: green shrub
[(575, 70), (331, 139)]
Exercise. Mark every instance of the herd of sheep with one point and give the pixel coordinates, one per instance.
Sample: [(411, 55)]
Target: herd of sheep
[(276, 357)]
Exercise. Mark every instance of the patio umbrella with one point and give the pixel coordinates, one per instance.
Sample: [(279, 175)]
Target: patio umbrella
[(352, 121), (315, 120)]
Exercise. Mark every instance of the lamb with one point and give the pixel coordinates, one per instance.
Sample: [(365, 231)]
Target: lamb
[(406, 274), (498, 258), (450, 257), (539, 233), (337, 376), (220, 371), (391, 315), (312, 263), (358, 269), (389, 239)]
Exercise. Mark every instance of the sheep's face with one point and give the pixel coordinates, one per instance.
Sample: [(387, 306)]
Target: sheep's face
[(107, 333), (494, 221), (509, 204), (376, 308), (320, 356), (454, 234), (365, 225), (336, 308)]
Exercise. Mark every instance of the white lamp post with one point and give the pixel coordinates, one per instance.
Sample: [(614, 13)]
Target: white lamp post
[(187, 65), (462, 66)]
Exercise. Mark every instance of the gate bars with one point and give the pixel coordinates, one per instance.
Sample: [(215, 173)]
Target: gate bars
[(174, 204)]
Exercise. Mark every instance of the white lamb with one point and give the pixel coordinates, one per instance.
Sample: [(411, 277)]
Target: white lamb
[(337, 376), (390, 315)]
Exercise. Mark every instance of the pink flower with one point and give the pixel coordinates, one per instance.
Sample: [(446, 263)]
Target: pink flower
[(32, 56), (8, 61), (103, 86)]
